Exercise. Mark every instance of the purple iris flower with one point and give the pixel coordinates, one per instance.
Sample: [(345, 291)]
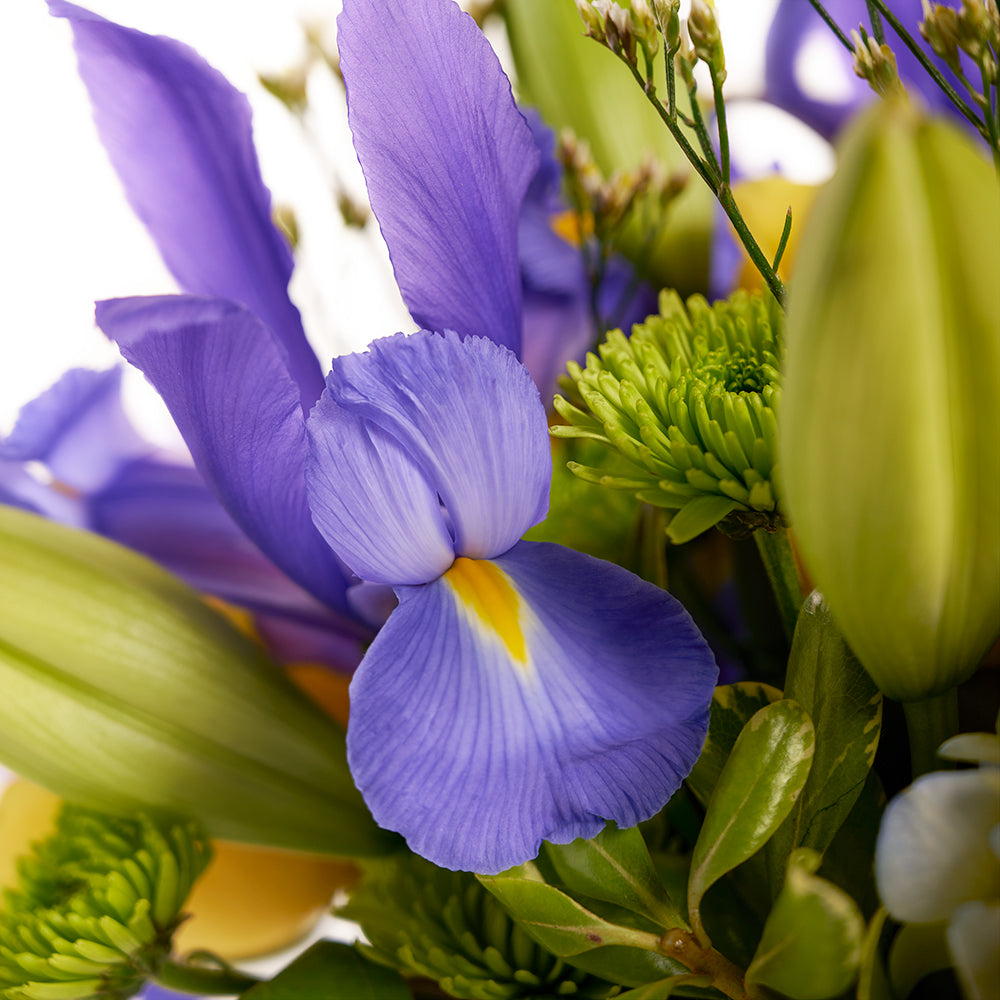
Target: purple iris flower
[(798, 33), (519, 691), (99, 474)]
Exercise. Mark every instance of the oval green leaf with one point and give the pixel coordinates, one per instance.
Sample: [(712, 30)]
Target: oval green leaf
[(333, 971), (758, 787), (811, 946)]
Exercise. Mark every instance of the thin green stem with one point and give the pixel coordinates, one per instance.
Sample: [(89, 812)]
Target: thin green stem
[(928, 65), (786, 230), (775, 550), (876, 22), (720, 124), (671, 75), (204, 981), (928, 724), (832, 24), (701, 130), (774, 283)]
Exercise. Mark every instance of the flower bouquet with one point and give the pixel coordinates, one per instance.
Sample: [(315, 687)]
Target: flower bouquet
[(622, 631)]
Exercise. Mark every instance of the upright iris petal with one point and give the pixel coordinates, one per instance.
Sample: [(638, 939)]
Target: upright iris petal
[(179, 137), (447, 158), (520, 691)]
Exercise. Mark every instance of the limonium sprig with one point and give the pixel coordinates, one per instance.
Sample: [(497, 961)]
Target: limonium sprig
[(689, 402), (96, 906)]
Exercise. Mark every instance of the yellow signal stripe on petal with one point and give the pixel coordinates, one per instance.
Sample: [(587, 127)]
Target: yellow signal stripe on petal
[(486, 593)]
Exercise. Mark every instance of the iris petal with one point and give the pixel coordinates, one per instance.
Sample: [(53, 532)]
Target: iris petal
[(226, 385), (447, 158), (179, 136), (476, 752), (78, 428), (469, 416)]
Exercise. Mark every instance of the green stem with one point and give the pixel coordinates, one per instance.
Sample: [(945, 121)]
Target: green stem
[(786, 230), (775, 550), (720, 124), (876, 22), (200, 980), (929, 723), (832, 25)]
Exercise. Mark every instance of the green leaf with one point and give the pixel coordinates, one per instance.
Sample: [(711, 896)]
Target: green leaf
[(556, 921), (811, 946), (578, 84), (732, 707), (628, 966), (699, 515), (757, 789), (615, 867), (665, 988), (845, 706), (332, 971)]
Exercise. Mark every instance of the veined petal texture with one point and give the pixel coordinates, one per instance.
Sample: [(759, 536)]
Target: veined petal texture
[(529, 697), (463, 417), (225, 382), (180, 138), (447, 158)]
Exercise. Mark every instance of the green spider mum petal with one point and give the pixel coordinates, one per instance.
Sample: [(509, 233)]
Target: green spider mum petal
[(96, 906), (689, 400)]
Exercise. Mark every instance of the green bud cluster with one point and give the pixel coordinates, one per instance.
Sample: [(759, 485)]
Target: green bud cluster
[(96, 906), (689, 401), (445, 926)]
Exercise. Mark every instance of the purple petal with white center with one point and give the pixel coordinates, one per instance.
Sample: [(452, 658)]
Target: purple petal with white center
[(224, 380), (447, 158), (78, 428), (468, 421), (179, 136), (476, 751)]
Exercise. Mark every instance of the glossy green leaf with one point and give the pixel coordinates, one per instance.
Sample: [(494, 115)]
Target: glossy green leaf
[(578, 84), (553, 919), (665, 988), (630, 967), (615, 867), (845, 706), (732, 707), (873, 983), (811, 946), (332, 971), (758, 787)]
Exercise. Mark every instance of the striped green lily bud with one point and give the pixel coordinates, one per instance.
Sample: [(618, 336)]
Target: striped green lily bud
[(688, 402), (96, 906), (891, 403), (444, 925), (124, 692)]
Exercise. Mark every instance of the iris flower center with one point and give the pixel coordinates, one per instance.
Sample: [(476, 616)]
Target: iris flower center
[(487, 594)]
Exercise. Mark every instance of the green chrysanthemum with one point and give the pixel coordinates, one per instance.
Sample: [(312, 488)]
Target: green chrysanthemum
[(96, 906), (445, 926), (689, 402)]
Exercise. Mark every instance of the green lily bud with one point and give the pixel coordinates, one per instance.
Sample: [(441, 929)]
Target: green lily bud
[(891, 400), (446, 926), (703, 27), (124, 692), (96, 906)]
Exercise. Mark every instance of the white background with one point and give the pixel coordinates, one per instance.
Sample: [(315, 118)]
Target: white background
[(69, 238)]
